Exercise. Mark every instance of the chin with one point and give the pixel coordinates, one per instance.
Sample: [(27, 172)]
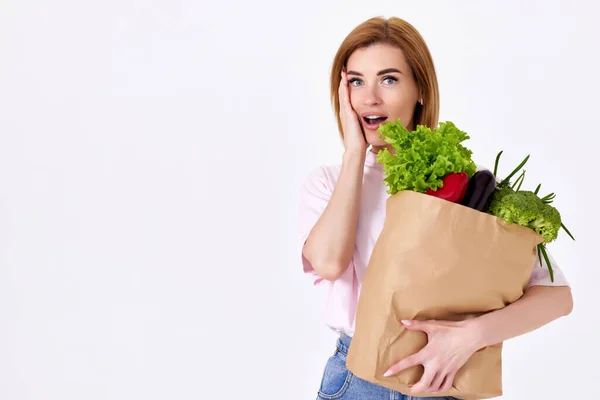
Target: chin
[(373, 139)]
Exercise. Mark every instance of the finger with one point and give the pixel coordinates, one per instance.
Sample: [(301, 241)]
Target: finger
[(448, 381), (424, 384), (437, 382), (344, 97), (342, 80), (403, 364), (416, 325)]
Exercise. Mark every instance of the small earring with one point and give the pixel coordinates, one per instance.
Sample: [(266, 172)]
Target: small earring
[(421, 101)]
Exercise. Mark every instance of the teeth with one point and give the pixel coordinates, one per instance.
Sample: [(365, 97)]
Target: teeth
[(374, 116)]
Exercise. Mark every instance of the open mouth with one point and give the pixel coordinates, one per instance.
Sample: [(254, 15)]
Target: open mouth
[(373, 123)]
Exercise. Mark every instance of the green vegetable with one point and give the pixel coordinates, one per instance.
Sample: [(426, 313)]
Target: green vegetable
[(423, 157), (506, 181), (542, 251), (499, 194), (527, 209), (548, 216)]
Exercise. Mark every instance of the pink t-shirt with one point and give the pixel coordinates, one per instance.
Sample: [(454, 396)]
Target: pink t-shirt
[(342, 294)]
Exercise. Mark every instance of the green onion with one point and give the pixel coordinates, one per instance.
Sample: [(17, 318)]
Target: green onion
[(566, 230), (550, 196), (543, 248), (496, 164), (519, 181), (506, 180)]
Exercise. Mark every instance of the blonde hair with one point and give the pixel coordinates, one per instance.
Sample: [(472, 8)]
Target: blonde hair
[(397, 32)]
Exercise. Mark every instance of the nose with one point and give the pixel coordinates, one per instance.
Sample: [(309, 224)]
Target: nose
[(372, 96)]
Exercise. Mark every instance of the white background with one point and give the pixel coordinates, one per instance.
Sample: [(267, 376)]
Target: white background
[(151, 156)]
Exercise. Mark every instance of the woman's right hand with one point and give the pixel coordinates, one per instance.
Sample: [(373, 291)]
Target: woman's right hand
[(330, 245), (354, 138)]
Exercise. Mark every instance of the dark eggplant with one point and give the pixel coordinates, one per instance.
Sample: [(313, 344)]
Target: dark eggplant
[(479, 193)]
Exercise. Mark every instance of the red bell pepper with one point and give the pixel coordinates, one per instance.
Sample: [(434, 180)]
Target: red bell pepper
[(454, 187)]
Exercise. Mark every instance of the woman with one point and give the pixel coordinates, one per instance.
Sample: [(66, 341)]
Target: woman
[(384, 71)]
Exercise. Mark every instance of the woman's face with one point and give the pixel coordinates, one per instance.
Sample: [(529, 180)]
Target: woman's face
[(381, 83)]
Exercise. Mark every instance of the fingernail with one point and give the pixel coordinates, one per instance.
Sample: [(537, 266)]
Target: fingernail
[(406, 322), (387, 373)]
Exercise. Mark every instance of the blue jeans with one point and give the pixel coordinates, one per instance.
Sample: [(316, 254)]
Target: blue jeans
[(338, 383)]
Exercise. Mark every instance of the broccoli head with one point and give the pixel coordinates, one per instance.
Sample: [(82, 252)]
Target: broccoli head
[(527, 209), (497, 196)]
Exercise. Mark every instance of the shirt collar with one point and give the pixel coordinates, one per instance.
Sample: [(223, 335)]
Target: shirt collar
[(371, 159)]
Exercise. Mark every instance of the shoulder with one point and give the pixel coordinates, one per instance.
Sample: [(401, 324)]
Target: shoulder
[(317, 188), (325, 174)]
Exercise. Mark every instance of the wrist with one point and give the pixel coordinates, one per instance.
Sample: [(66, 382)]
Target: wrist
[(354, 155), (477, 333)]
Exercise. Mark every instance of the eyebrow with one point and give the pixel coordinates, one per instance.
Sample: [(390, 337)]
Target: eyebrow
[(382, 72)]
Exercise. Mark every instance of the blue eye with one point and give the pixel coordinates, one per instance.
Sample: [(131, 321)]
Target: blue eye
[(390, 80)]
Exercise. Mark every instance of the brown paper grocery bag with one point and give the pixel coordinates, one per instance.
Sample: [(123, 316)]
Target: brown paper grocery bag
[(435, 259)]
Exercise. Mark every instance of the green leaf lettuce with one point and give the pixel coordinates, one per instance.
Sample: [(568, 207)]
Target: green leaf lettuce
[(423, 156)]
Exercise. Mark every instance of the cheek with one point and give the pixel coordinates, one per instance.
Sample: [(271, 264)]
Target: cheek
[(403, 108), (403, 98)]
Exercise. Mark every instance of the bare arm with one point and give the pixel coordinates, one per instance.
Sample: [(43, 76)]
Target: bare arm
[(537, 307), (330, 244)]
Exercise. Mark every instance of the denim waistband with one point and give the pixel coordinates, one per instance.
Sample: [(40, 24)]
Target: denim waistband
[(343, 343)]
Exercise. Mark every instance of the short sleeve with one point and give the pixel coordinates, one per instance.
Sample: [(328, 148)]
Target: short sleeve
[(541, 275), (314, 197)]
